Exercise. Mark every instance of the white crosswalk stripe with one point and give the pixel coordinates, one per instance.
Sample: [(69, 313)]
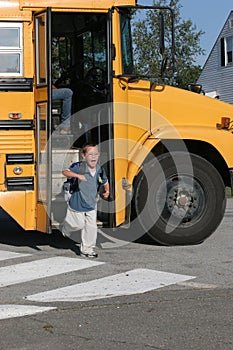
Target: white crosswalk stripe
[(127, 283), (29, 271), (11, 310), (131, 282), (4, 255)]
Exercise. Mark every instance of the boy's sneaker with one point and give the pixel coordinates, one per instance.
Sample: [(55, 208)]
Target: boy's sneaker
[(89, 255)]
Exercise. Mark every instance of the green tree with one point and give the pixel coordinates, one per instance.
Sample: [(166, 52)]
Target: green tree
[(187, 44)]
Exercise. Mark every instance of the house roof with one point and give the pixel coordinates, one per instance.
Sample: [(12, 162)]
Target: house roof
[(219, 36)]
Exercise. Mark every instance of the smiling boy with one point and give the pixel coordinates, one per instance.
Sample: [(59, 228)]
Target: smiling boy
[(81, 212)]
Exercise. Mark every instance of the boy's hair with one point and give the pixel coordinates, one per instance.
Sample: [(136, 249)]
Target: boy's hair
[(86, 145)]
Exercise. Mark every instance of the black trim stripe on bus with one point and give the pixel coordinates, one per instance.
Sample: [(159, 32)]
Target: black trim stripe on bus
[(16, 84), (16, 124), (27, 158), (20, 183)]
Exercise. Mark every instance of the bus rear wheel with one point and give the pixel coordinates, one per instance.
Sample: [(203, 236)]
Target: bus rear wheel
[(179, 199)]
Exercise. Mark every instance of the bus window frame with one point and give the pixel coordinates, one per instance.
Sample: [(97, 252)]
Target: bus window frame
[(38, 50), (43, 97), (41, 156), (16, 50)]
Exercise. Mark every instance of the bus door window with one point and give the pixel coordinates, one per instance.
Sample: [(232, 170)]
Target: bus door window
[(41, 50), (79, 62)]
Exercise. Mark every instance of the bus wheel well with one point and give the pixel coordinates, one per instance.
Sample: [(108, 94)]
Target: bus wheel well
[(200, 148)]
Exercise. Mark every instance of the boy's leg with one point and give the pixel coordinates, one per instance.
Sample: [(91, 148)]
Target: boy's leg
[(89, 233), (74, 221)]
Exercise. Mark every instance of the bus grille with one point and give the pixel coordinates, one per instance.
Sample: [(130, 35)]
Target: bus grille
[(20, 183), (20, 158), (16, 124), (16, 142)]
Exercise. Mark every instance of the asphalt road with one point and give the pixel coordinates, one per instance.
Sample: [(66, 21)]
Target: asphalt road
[(133, 296)]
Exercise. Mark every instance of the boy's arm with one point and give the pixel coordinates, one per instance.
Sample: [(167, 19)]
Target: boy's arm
[(106, 190), (105, 184), (69, 173)]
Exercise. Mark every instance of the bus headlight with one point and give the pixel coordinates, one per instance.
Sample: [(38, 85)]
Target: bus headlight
[(18, 170)]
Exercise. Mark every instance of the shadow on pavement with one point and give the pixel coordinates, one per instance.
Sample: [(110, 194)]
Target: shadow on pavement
[(13, 234)]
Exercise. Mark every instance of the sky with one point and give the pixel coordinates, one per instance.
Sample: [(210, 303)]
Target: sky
[(208, 16)]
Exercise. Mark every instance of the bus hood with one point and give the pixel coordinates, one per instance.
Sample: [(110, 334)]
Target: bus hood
[(180, 109)]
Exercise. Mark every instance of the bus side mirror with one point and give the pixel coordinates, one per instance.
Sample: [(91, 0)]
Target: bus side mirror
[(197, 88)]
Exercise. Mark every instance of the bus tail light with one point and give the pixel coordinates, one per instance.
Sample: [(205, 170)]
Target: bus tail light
[(15, 115)]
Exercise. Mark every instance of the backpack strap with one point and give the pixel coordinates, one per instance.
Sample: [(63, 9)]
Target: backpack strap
[(81, 171)]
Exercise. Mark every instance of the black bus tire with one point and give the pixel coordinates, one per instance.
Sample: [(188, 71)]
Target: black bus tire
[(179, 199)]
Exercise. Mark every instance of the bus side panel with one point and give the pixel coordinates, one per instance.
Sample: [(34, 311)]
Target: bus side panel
[(20, 205), (17, 157), (12, 102), (42, 215)]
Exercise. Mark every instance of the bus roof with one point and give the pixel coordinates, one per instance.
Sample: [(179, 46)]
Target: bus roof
[(85, 4), (12, 10)]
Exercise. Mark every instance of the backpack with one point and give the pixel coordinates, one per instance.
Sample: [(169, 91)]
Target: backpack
[(71, 185)]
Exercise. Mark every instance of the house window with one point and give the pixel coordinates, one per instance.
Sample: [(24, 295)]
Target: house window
[(231, 23), (11, 49), (226, 51), (229, 46)]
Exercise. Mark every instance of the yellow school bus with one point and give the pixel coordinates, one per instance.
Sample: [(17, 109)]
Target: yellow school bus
[(167, 152)]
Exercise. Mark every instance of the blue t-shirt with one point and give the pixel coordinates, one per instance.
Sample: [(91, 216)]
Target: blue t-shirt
[(85, 198)]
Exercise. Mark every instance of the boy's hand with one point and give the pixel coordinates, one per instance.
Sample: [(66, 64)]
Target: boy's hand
[(106, 194), (81, 177)]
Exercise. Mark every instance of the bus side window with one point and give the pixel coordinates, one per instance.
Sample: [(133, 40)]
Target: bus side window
[(11, 49)]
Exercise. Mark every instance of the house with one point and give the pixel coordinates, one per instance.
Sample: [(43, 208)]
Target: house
[(216, 77)]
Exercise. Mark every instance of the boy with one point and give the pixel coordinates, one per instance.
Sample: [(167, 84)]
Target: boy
[(81, 212)]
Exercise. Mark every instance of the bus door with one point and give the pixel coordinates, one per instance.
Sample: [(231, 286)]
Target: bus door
[(42, 22), (81, 62), (72, 51)]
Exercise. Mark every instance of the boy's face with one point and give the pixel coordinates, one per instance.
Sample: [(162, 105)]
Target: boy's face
[(91, 156)]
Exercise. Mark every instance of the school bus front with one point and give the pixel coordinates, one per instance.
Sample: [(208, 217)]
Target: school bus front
[(162, 147)]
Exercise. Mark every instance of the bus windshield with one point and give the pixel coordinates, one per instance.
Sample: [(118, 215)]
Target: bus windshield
[(147, 50)]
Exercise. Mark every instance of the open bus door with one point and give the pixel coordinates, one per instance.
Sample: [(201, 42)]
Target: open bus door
[(43, 118), (81, 61), (60, 48)]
